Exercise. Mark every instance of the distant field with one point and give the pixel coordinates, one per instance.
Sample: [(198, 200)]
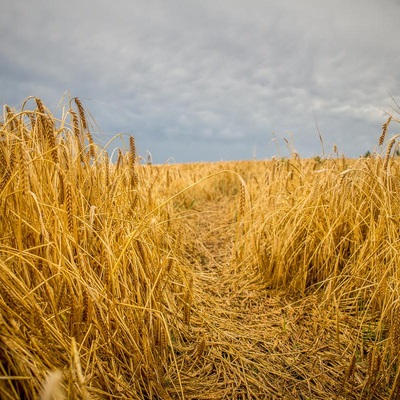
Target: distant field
[(238, 280)]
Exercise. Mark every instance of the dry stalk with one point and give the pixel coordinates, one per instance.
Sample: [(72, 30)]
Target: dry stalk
[(77, 134), (3, 162), (23, 164), (388, 151), (82, 115), (242, 202), (132, 162), (106, 172), (77, 370), (384, 130), (395, 389), (61, 189), (84, 123), (119, 160), (69, 207), (47, 129), (395, 331)]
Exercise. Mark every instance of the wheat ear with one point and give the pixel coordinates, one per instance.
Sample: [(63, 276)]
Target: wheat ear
[(384, 130)]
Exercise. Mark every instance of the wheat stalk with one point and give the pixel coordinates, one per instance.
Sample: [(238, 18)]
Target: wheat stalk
[(81, 111), (384, 130), (132, 161), (48, 129), (388, 151)]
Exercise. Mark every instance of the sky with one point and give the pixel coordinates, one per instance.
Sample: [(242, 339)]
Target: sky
[(211, 80)]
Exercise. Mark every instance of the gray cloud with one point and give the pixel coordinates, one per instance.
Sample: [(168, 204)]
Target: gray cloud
[(206, 80)]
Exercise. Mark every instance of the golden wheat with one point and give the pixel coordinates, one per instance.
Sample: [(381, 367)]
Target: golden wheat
[(384, 130), (259, 279)]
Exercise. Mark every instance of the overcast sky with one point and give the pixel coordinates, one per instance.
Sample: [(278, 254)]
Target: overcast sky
[(211, 80)]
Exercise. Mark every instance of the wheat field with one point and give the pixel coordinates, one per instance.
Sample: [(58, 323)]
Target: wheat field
[(273, 279)]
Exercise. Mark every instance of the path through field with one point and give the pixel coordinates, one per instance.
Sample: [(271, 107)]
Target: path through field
[(248, 342)]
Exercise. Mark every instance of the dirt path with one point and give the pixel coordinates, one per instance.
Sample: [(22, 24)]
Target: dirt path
[(248, 342)]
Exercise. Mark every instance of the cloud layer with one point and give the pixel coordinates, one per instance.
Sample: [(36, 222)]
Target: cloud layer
[(207, 80)]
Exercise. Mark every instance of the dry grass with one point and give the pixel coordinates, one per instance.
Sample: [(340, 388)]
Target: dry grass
[(90, 283), (244, 280)]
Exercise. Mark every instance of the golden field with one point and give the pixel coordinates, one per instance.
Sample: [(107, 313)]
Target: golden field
[(272, 279)]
